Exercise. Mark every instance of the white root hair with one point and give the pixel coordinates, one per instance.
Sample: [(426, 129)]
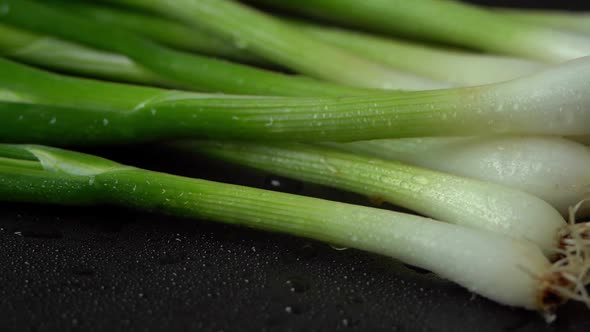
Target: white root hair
[(570, 274)]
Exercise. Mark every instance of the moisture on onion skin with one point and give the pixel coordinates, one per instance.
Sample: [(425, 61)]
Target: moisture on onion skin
[(507, 270), (188, 70), (552, 102), (461, 68), (444, 22), (552, 168), (445, 197), (306, 56)]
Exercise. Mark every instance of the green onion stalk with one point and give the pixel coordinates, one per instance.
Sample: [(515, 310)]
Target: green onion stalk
[(552, 168), (578, 22), (458, 67), (49, 52), (450, 22), (165, 31), (509, 271), (454, 66), (282, 44), (438, 195), (190, 71), (553, 102)]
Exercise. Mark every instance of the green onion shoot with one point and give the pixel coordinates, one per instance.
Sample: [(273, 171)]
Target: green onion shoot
[(552, 168), (509, 271), (438, 195), (451, 22)]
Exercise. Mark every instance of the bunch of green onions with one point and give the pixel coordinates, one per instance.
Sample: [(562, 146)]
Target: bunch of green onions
[(491, 146)]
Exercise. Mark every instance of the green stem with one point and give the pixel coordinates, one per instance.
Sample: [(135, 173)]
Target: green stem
[(445, 197), (338, 223), (450, 22), (17, 163), (165, 31), (282, 44), (569, 20), (144, 114), (69, 57), (453, 66), (492, 262), (188, 70)]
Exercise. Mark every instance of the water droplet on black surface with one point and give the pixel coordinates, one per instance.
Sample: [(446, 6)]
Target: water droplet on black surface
[(297, 285), (172, 258), (38, 231), (307, 251), (294, 309)]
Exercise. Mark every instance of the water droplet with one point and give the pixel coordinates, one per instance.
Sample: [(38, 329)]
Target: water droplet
[(339, 248), (153, 111), (39, 231), (105, 122), (421, 180), (240, 43), (292, 309), (297, 286), (91, 180), (53, 120), (270, 122)]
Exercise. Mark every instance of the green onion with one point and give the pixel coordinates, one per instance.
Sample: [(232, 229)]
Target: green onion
[(457, 67), (167, 32), (551, 168), (441, 196), (569, 20), (504, 269), (551, 102), (282, 44), (69, 57), (187, 70), (450, 22), (453, 66)]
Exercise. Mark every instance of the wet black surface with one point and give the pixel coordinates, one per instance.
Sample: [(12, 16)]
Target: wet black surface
[(108, 268)]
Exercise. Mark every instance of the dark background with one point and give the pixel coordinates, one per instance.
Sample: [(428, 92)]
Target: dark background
[(109, 268)]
